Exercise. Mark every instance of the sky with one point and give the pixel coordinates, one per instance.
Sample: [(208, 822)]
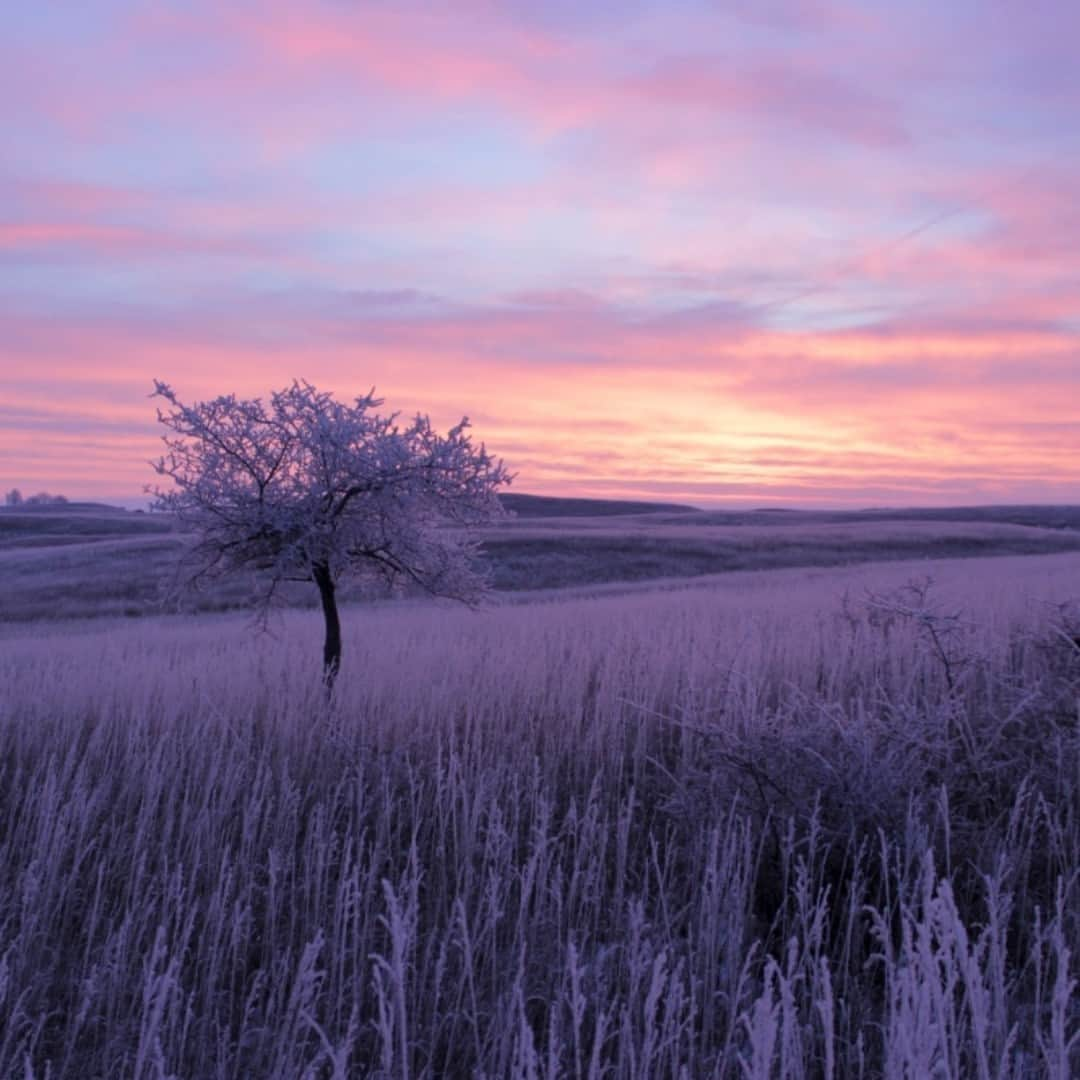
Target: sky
[(762, 253)]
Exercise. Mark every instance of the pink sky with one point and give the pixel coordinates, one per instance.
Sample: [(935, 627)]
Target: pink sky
[(786, 252)]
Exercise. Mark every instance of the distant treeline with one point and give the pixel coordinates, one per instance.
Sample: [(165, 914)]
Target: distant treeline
[(15, 498)]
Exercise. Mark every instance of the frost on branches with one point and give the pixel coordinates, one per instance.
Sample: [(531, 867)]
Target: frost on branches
[(307, 488)]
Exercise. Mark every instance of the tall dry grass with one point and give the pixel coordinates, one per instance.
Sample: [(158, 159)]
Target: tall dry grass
[(799, 824)]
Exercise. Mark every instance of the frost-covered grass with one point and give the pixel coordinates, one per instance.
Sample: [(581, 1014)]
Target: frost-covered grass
[(794, 824), (81, 563)]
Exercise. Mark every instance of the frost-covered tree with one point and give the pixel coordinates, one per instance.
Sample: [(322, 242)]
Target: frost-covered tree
[(307, 488)]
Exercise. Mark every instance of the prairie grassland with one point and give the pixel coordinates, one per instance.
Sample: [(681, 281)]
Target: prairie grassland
[(72, 562), (802, 823)]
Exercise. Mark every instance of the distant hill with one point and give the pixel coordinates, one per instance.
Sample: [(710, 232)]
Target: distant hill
[(75, 523), (552, 506), (77, 559), (1042, 517), (64, 508)]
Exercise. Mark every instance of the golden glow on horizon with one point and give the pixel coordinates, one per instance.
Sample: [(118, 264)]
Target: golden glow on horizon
[(692, 433)]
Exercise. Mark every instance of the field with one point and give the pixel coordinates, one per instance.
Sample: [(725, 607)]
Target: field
[(796, 822), (88, 561)]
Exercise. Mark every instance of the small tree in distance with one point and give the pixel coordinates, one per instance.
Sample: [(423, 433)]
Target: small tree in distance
[(307, 488)]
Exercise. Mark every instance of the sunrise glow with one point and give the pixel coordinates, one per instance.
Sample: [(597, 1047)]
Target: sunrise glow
[(778, 253)]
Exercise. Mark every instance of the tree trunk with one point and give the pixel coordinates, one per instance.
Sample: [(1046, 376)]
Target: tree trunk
[(332, 644)]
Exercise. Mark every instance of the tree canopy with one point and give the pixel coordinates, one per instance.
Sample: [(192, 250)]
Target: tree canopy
[(306, 488)]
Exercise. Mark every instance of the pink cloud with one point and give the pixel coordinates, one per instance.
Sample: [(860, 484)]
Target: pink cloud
[(916, 409), (282, 70), (791, 93), (103, 242)]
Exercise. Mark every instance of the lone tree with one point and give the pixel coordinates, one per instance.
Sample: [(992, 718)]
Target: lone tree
[(307, 488)]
